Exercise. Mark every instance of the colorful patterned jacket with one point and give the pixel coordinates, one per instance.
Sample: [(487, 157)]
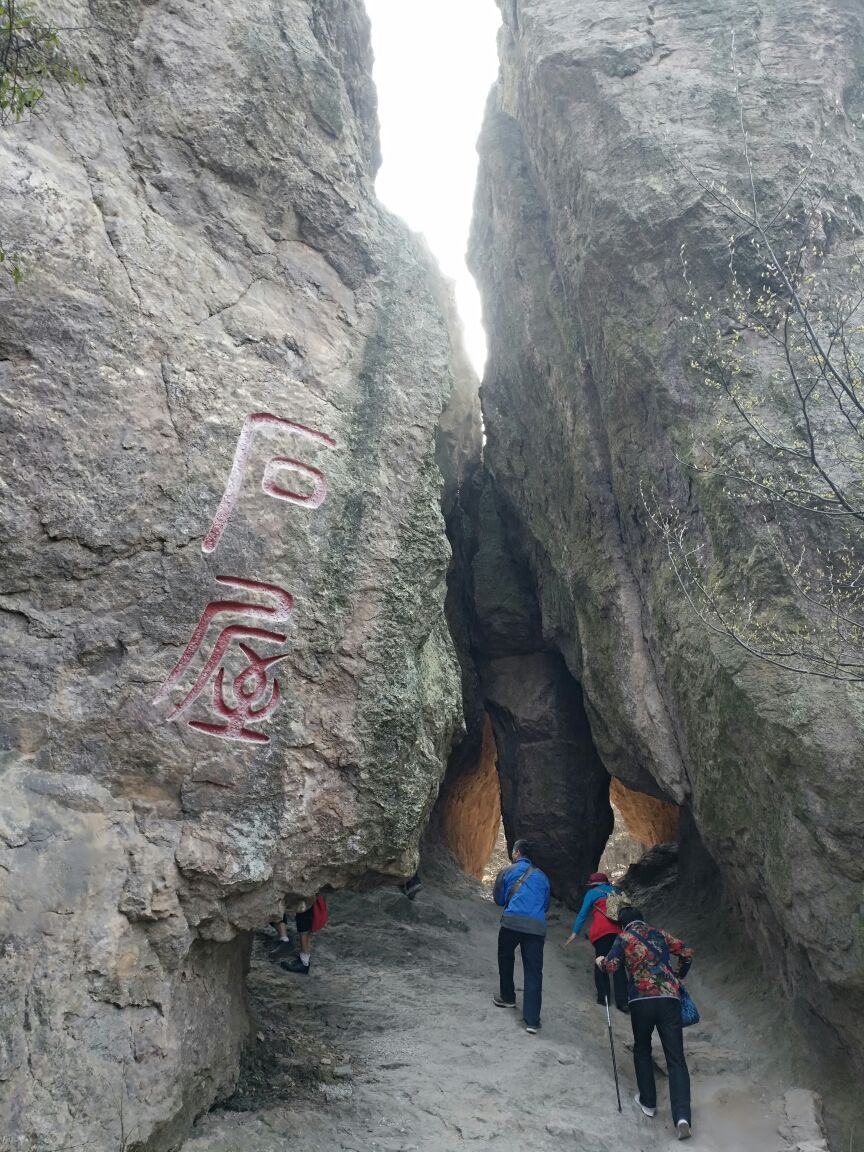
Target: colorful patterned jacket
[(648, 974)]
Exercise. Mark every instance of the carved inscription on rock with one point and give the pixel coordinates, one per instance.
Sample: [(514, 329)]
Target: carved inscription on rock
[(253, 692), (277, 464)]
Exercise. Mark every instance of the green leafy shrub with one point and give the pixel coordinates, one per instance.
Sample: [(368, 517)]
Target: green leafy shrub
[(30, 57)]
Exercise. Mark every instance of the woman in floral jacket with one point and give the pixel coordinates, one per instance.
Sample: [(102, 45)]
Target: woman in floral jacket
[(655, 1002)]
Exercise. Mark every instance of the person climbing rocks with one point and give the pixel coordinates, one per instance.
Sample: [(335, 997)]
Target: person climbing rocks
[(308, 922), (654, 992), (522, 890), (283, 944), (602, 934)]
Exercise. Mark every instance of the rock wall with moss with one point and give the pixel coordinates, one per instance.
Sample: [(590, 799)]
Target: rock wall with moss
[(227, 679)]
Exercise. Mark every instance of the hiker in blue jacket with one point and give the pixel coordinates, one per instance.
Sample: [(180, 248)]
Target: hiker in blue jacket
[(522, 890)]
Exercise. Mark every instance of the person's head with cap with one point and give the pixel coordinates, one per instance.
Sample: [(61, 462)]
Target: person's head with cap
[(597, 878), (628, 916), (521, 850)]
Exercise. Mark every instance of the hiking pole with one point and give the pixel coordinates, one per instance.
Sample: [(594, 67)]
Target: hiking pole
[(612, 1046)]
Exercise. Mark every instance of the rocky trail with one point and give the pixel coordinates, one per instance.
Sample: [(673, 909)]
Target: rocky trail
[(393, 1045)]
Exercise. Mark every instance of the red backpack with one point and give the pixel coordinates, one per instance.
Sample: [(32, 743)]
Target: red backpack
[(320, 915), (601, 924)]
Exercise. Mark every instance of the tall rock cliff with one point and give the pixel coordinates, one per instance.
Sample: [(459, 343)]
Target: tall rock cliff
[(585, 199), (226, 676)]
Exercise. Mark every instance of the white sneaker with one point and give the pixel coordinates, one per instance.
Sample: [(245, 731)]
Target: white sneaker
[(683, 1130), (652, 1112)]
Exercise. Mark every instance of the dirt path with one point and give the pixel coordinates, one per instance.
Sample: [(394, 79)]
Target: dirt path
[(393, 1045)]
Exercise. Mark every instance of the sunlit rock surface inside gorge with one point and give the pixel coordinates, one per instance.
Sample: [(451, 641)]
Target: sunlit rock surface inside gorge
[(581, 212), (225, 383)]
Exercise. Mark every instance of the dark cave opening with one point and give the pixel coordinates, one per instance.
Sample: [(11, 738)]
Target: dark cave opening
[(528, 757), (535, 773)]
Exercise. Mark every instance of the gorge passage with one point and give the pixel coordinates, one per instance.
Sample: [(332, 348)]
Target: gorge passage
[(281, 589)]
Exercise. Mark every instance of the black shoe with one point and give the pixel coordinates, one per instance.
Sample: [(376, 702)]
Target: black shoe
[(499, 1003), (412, 888), (625, 1008), (296, 965), (282, 948)]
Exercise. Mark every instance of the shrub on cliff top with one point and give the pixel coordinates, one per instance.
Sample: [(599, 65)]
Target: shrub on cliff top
[(30, 57)]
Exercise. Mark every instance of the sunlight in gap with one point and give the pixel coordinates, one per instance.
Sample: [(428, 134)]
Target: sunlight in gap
[(435, 61)]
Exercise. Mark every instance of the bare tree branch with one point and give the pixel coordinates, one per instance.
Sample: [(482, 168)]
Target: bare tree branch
[(781, 351)]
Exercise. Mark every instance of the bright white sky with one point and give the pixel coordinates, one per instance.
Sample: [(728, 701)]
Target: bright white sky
[(435, 61)]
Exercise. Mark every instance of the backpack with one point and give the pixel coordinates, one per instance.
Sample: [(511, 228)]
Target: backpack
[(601, 925), (616, 902), (320, 915), (689, 1011)]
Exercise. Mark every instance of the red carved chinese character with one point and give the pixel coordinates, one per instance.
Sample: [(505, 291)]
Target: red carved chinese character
[(250, 686), (277, 464)]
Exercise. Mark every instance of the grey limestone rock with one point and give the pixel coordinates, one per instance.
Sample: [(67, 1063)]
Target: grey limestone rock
[(222, 382), (554, 787), (581, 212)]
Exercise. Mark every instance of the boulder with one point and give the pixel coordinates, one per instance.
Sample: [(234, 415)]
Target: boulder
[(584, 201), (228, 680)]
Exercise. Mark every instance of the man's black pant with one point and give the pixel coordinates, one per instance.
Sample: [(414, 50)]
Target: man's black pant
[(532, 970), (664, 1014), (601, 979)]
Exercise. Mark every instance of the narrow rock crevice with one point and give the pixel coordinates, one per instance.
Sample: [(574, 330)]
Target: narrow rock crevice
[(521, 698)]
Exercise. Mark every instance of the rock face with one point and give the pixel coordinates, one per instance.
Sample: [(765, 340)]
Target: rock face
[(581, 212), (648, 820), (468, 811), (554, 787), (227, 678)]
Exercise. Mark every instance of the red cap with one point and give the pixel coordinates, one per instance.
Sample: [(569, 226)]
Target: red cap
[(598, 878)]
